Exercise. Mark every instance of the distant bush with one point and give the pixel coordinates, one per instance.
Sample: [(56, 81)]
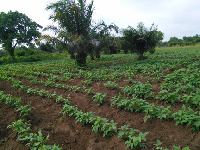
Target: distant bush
[(3, 53), (37, 56), (25, 52), (47, 47)]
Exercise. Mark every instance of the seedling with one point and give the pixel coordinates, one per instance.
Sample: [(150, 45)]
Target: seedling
[(99, 98)]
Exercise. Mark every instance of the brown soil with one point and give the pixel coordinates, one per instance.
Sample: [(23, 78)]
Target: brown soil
[(65, 132)]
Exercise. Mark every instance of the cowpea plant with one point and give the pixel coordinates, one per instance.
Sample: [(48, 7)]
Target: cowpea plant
[(187, 116), (132, 137), (99, 98), (102, 125), (139, 89), (111, 85), (34, 140), (25, 110)]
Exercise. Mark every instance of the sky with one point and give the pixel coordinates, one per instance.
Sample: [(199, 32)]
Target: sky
[(173, 17)]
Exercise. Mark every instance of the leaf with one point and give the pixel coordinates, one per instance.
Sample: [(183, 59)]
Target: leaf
[(158, 143)]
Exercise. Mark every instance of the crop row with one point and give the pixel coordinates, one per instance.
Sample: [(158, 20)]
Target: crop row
[(34, 140), (180, 81), (132, 137), (184, 116), (98, 124), (140, 89)]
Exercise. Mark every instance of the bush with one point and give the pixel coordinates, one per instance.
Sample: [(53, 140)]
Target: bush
[(25, 52), (46, 47), (3, 53)]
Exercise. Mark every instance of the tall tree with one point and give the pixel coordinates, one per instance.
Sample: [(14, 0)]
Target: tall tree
[(15, 29), (75, 17)]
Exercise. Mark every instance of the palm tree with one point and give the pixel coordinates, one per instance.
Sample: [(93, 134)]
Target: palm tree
[(74, 17), (141, 39)]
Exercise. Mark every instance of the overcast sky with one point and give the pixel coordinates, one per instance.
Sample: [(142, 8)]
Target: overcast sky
[(174, 17)]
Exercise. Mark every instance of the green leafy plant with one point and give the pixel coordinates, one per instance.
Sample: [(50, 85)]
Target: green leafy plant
[(187, 116), (138, 89), (165, 113), (20, 126), (77, 89), (89, 91), (111, 85), (133, 137), (62, 86), (99, 98), (43, 93), (52, 95), (34, 140), (87, 82), (10, 100), (32, 91), (25, 110), (49, 83), (70, 110), (84, 118), (151, 111), (102, 125)]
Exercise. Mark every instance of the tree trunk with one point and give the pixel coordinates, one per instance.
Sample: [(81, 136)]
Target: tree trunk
[(72, 56), (91, 56), (141, 56), (11, 52), (97, 54), (81, 59)]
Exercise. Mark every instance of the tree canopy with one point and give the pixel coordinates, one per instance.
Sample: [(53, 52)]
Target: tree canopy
[(74, 17), (15, 29), (141, 39)]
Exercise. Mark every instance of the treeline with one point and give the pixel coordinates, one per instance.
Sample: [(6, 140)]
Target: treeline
[(185, 41), (76, 32)]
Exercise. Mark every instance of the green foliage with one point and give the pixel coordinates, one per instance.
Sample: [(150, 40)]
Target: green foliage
[(25, 110), (20, 126), (70, 110), (185, 41), (102, 125), (89, 91), (84, 118), (10, 100), (99, 98), (111, 85), (138, 88), (75, 19), (178, 76), (139, 105), (15, 25), (141, 40), (133, 137), (158, 146), (43, 93), (187, 116), (37, 56), (68, 13), (34, 140), (47, 47), (87, 82)]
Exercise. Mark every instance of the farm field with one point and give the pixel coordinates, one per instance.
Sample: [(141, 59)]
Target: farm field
[(115, 103)]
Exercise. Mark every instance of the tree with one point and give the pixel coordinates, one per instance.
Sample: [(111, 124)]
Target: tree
[(173, 41), (15, 29), (141, 40), (75, 17), (101, 37)]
